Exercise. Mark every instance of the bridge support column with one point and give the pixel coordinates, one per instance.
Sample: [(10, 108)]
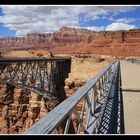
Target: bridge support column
[(63, 71)]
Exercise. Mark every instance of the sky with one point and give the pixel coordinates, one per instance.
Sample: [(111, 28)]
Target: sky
[(19, 20)]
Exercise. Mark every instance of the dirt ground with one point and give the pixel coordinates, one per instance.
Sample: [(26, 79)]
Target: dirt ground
[(86, 68), (21, 53)]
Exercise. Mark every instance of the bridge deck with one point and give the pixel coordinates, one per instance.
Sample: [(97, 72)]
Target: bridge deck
[(131, 96)]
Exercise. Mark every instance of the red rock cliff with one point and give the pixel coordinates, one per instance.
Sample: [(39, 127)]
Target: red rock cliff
[(73, 40)]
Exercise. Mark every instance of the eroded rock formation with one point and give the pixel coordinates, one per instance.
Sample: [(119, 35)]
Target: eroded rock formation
[(73, 40), (21, 108)]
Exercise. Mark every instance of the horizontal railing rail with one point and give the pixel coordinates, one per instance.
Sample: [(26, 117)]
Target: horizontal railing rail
[(133, 60), (131, 89), (83, 111)]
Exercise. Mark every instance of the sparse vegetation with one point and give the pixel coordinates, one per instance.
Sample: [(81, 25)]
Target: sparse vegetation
[(99, 60), (39, 54)]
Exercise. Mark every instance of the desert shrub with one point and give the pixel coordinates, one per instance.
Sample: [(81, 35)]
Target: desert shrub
[(99, 60), (39, 54)]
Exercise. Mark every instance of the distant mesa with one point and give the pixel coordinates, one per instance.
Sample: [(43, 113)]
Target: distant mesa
[(74, 40)]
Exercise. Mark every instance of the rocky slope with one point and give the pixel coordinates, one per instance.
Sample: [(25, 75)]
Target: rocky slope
[(73, 40)]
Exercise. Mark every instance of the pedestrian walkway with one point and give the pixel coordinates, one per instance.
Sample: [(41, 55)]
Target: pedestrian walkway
[(130, 73)]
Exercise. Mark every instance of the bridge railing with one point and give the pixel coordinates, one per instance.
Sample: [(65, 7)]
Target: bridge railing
[(85, 110)]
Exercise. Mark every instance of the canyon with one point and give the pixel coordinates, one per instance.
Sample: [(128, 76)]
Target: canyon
[(21, 108), (75, 41)]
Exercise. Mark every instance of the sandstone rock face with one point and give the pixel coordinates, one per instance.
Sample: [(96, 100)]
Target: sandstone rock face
[(70, 35), (20, 109), (73, 40), (29, 40), (105, 42)]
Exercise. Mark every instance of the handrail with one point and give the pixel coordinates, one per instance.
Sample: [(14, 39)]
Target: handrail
[(88, 93)]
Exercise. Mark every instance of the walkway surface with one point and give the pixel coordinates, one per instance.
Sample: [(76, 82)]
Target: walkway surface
[(131, 79)]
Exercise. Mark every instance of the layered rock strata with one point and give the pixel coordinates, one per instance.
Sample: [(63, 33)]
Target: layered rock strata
[(73, 40)]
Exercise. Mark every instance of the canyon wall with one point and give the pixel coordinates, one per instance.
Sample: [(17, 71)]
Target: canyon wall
[(73, 40), (21, 108)]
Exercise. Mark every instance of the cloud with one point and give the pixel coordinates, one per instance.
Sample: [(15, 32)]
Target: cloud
[(119, 26), (102, 11), (124, 20), (42, 19), (111, 27), (95, 28)]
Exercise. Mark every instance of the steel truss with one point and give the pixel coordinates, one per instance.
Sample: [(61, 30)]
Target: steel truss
[(44, 76)]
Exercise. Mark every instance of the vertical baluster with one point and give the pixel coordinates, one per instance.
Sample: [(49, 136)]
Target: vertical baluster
[(91, 106), (102, 85), (95, 87), (81, 115), (67, 124), (79, 120), (100, 88)]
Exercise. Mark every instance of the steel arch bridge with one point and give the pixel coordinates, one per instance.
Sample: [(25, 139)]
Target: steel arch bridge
[(44, 76)]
